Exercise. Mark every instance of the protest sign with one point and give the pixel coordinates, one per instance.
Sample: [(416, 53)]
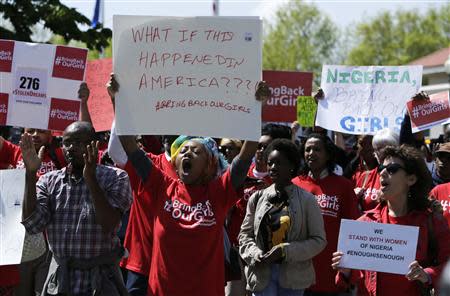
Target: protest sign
[(425, 114), (377, 246), (12, 232), (99, 103), (39, 84), (285, 87), (194, 76), (306, 111), (363, 100)]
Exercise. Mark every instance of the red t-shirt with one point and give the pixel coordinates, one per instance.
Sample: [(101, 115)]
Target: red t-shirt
[(187, 255), (337, 201), (11, 157), (386, 284), (442, 194), (237, 213), (9, 275), (369, 182), (139, 235)]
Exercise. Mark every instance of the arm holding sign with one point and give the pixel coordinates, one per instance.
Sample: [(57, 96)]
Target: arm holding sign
[(83, 94), (140, 161)]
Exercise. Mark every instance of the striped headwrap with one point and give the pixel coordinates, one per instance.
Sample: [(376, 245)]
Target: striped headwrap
[(215, 157)]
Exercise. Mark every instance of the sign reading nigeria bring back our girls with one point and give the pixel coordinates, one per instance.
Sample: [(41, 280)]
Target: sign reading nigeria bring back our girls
[(363, 100)]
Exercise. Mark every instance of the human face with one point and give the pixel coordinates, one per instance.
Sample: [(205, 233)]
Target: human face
[(192, 163), (394, 180), (39, 137), (315, 155), (280, 168), (263, 142), (366, 149), (443, 165), (229, 150), (74, 146)]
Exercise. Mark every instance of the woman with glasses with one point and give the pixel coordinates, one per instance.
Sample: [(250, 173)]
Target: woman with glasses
[(336, 199), (405, 185)]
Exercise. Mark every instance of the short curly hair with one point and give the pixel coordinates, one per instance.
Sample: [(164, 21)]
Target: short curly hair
[(288, 149), (414, 164)]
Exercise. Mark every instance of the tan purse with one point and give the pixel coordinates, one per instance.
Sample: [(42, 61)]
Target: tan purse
[(34, 246)]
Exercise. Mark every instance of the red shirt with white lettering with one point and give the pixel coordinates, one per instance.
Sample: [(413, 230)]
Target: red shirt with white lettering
[(442, 194), (139, 236), (11, 157), (337, 201), (187, 255), (369, 182)]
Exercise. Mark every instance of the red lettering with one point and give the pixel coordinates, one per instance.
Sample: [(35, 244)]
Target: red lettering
[(158, 80), (143, 58), (166, 31), (187, 58), (183, 38), (165, 56), (143, 81), (167, 81), (154, 60), (200, 82), (176, 57), (179, 80), (214, 82)]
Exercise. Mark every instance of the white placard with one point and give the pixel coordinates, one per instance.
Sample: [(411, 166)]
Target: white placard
[(376, 246), (194, 76), (12, 232), (38, 80), (363, 100)]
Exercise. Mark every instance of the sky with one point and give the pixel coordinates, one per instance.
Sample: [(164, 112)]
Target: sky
[(343, 13)]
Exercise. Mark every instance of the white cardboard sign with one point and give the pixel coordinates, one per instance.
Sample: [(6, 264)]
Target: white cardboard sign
[(39, 84), (12, 232), (363, 100), (377, 246), (194, 76)]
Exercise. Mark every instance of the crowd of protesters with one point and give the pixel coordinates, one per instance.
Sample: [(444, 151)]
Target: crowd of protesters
[(188, 215)]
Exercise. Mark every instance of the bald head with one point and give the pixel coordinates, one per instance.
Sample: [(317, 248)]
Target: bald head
[(83, 128)]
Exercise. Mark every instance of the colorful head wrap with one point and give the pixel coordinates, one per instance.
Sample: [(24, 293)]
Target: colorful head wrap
[(211, 148)]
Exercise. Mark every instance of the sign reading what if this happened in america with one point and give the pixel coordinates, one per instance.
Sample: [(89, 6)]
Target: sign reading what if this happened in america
[(39, 84), (425, 114), (377, 246), (194, 76), (363, 100)]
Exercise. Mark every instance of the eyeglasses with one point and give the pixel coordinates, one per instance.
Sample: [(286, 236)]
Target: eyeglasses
[(261, 146), (226, 149), (391, 168)]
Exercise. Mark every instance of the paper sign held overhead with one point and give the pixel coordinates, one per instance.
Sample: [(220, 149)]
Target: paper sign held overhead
[(285, 87), (194, 76), (377, 246), (99, 103), (12, 232), (425, 114), (363, 100), (306, 111), (31, 75)]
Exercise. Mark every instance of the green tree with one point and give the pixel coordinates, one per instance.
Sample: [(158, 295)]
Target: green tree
[(301, 39), (24, 15), (400, 37)]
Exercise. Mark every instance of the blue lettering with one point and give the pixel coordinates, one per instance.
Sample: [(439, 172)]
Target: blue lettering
[(375, 124), (347, 123)]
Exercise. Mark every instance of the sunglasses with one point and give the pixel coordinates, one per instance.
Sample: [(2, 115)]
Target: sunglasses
[(391, 168)]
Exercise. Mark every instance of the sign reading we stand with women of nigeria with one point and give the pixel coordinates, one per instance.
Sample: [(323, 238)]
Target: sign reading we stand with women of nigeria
[(195, 76), (39, 84)]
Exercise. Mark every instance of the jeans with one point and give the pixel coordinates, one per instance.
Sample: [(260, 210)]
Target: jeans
[(136, 284), (274, 288)]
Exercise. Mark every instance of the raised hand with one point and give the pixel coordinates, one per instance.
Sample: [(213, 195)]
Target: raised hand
[(319, 95), (262, 93), (113, 87), (421, 96), (31, 159), (90, 161), (83, 92)]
